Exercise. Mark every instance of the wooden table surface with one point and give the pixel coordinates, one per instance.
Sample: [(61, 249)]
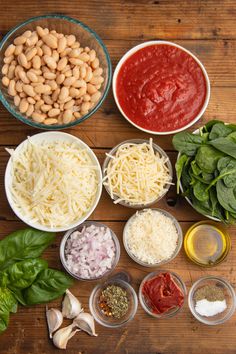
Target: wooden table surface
[(207, 28)]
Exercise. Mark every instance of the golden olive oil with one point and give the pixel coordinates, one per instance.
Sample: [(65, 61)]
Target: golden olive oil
[(207, 243)]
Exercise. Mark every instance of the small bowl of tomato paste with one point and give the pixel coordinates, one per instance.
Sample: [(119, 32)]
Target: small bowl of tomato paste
[(161, 87), (162, 294)]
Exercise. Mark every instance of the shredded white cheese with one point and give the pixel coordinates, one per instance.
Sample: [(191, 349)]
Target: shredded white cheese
[(151, 236), (53, 183), (136, 174)]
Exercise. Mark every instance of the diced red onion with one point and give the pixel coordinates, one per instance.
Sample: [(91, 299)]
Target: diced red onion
[(90, 253)]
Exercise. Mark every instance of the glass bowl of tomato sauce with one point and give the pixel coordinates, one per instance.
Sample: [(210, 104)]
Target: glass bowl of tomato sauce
[(160, 87), (162, 294)]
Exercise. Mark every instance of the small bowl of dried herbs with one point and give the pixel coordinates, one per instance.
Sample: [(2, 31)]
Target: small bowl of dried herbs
[(113, 303)]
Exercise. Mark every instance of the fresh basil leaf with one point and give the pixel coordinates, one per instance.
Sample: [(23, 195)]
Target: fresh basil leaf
[(23, 244), (8, 303), (187, 143), (226, 145), (226, 196), (4, 319), (179, 167), (199, 190), (219, 130), (22, 274), (49, 285), (207, 158)]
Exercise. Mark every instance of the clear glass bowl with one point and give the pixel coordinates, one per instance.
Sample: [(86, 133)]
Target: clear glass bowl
[(109, 321), (67, 235), (146, 306), (65, 25), (178, 245), (157, 149), (229, 296)]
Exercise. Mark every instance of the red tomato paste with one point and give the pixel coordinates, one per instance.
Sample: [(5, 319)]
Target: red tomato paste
[(162, 293), (161, 88)]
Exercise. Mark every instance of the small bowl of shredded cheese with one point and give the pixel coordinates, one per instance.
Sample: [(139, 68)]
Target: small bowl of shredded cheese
[(53, 181), (137, 173), (152, 237)]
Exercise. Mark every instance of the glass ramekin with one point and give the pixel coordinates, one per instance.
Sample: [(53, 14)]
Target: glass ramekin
[(144, 303), (109, 321), (79, 228), (229, 296), (157, 149), (65, 25), (178, 245)]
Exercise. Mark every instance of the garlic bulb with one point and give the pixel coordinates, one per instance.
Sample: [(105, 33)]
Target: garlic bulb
[(61, 337), (54, 320), (71, 307), (85, 322)]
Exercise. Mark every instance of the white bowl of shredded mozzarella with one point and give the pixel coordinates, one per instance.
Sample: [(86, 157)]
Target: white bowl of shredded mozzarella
[(152, 237), (90, 251), (53, 181), (137, 173)]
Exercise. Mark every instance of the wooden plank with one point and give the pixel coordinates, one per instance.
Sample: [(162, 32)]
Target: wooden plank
[(163, 19), (107, 127), (27, 332)]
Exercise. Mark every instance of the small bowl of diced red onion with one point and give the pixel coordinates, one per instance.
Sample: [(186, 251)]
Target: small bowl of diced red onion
[(90, 251)]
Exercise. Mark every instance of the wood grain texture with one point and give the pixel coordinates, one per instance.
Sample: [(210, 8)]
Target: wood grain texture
[(206, 27)]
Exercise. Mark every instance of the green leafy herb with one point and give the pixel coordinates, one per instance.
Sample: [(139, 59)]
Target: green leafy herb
[(209, 176), (187, 143), (49, 285), (22, 274), (23, 244), (8, 304)]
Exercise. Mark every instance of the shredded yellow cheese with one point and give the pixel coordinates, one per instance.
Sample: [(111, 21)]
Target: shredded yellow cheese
[(54, 183), (136, 174)]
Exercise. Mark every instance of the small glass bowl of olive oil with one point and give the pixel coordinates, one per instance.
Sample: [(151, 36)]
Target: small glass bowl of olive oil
[(207, 243)]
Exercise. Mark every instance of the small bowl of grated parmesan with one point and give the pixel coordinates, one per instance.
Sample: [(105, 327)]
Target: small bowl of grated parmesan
[(152, 237), (137, 173)]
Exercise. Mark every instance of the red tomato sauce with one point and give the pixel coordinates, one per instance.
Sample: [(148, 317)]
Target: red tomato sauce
[(162, 293), (161, 88)]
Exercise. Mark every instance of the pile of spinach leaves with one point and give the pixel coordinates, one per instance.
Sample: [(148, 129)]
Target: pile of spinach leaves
[(206, 169), (24, 277)]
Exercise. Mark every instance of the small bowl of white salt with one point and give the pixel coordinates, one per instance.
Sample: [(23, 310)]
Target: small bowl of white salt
[(90, 251), (212, 300)]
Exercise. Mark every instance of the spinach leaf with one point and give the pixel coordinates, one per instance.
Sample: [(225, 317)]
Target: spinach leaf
[(203, 207), (199, 190), (207, 158), (22, 274), (179, 168), (23, 244), (196, 170), (227, 168), (187, 143), (216, 208), (226, 145), (207, 177), (49, 285), (226, 196), (209, 125), (219, 130)]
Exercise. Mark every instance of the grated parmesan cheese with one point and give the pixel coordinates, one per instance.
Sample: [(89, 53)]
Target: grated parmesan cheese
[(136, 174), (53, 183), (151, 236)]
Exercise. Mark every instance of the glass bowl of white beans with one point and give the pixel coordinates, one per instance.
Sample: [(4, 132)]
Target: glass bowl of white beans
[(55, 72)]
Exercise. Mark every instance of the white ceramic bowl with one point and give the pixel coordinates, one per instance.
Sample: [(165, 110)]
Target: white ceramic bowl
[(146, 44), (52, 136)]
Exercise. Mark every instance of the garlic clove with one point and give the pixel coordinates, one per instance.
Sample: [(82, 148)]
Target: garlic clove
[(71, 306), (85, 322), (54, 320), (62, 336)]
